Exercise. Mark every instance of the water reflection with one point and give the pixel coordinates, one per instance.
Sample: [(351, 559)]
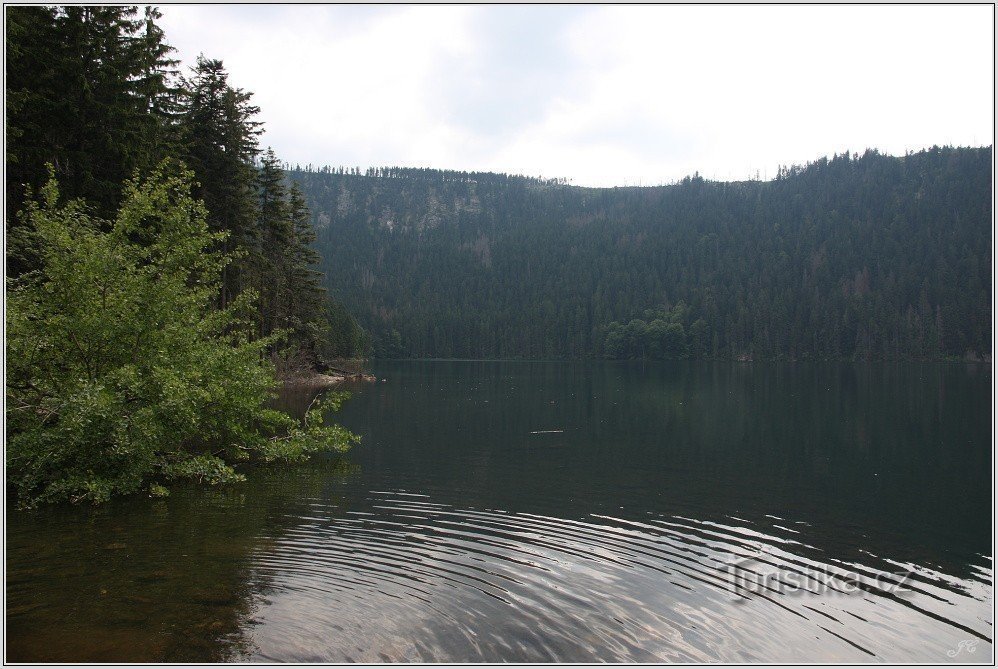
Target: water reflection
[(408, 579), (145, 580), (558, 511)]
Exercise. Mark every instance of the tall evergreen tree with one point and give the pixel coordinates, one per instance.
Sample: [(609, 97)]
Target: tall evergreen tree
[(273, 238), (87, 89), (102, 144), (158, 87), (35, 114), (306, 297), (283, 262), (219, 136)]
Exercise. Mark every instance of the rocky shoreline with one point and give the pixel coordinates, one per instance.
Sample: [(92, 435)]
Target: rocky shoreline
[(318, 380)]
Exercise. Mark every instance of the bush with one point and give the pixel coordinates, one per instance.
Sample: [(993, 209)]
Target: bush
[(121, 370)]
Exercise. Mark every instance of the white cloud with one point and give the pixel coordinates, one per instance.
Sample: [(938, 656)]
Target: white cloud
[(602, 95)]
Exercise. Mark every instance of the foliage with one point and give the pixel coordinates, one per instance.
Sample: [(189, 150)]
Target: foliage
[(310, 436), (88, 90), (660, 336), (218, 139), (341, 336), (95, 91), (122, 370)]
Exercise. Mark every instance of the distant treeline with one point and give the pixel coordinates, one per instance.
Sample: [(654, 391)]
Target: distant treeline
[(853, 257), (423, 173)]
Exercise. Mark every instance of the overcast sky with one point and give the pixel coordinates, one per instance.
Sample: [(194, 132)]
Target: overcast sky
[(601, 95)]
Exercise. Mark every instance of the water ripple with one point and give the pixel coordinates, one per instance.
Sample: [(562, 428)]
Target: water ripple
[(410, 579)]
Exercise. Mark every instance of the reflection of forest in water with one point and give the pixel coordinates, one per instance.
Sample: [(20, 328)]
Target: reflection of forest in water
[(145, 580), (877, 466), (900, 451)]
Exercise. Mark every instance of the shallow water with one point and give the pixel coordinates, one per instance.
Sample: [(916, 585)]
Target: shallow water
[(529, 511)]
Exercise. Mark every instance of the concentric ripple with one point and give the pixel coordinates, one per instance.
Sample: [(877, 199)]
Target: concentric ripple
[(408, 579)]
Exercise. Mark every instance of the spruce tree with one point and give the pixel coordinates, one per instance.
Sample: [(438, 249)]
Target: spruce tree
[(157, 87), (270, 251), (88, 91), (219, 142), (306, 296)]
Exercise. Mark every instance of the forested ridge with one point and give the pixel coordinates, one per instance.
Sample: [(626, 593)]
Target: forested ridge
[(851, 257)]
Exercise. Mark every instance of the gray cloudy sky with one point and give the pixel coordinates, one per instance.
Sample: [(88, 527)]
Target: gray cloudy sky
[(601, 95)]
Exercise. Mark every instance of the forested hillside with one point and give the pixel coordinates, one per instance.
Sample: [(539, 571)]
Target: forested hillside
[(856, 257)]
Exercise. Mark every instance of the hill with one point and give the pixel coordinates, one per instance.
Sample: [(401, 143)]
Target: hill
[(854, 257)]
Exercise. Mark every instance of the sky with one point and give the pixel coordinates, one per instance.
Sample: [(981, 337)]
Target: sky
[(601, 95)]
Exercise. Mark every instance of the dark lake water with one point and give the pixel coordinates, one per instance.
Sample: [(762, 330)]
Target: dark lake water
[(533, 511)]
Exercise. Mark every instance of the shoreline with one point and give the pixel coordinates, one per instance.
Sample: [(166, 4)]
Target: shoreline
[(319, 381)]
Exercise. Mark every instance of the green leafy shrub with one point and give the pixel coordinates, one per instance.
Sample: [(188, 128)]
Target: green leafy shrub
[(309, 436), (122, 370)]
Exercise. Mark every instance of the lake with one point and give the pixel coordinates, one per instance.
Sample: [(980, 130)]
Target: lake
[(556, 511)]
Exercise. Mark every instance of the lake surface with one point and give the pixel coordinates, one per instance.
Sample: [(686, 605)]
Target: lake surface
[(535, 511)]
